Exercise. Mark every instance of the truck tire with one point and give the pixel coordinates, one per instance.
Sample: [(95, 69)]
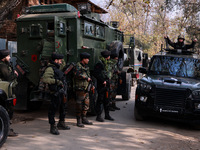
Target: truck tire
[(116, 47), (4, 125), (127, 94), (137, 115)]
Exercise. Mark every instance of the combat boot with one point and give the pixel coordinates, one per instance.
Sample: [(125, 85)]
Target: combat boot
[(115, 107), (79, 124), (99, 118), (54, 130), (61, 126), (85, 121), (108, 117)]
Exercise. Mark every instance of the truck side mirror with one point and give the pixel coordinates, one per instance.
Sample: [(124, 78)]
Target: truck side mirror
[(143, 70)]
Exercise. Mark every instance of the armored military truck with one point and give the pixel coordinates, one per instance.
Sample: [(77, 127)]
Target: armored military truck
[(7, 102), (75, 31), (134, 58), (171, 87)]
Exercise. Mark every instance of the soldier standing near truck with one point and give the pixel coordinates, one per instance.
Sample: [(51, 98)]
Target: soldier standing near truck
[(81, 83), (101, 73), (114, 81), (54, 77), (7, 74)]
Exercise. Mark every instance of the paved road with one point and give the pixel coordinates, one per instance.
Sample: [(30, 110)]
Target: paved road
[(123, 134)]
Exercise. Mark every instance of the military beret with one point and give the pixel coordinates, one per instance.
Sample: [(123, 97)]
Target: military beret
[(113, 55), (4, 53), (84, 55), (56, 56), (105, 53)]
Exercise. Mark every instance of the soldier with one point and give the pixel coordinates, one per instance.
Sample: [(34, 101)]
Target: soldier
[(47, 45), (114, 81), (102, 74), (54, 77), (7, 74), (81, 82), (180, 43)]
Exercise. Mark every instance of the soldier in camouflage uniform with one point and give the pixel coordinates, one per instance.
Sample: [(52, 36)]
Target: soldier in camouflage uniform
[(114, 81), (45, 47), (54, 77), (102, 74), (7, 74), (81, 82)]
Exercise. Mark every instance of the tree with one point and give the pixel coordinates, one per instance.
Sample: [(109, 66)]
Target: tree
[(150, 20)]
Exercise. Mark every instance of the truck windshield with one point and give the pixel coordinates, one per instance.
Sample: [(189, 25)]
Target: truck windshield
[(176, 66)]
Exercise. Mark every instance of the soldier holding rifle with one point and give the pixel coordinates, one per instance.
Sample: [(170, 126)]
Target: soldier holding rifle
[(82, 81), (54, 77)]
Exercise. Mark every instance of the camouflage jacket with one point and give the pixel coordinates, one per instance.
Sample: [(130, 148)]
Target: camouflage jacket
[(115, 69), (81, 75)]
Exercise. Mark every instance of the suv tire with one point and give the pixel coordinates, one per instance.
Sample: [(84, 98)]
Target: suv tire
[(4, 125)]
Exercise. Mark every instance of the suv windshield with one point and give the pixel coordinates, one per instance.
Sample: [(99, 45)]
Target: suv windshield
[(176, 66)]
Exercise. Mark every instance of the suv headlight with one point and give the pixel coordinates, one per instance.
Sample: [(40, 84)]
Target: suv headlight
[(144, 86), (196, 94)]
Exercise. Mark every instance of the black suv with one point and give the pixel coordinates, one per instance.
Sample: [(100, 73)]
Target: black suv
[(170, 87), (7, 102)]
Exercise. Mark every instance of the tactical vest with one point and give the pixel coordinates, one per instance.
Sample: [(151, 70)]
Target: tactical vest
[(81, 84), (48, 47), (105, 72), (58, 75)]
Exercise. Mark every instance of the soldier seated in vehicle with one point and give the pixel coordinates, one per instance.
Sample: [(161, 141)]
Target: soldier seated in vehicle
[(180, 43), (7, 74)]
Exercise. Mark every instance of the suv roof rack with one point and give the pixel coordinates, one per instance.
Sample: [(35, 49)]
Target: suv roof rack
[(180, 51)]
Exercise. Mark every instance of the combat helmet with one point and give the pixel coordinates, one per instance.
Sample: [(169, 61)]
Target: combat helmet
[(181, 36)]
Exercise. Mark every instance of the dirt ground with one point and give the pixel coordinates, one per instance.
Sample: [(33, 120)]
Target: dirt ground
[(122, 134)]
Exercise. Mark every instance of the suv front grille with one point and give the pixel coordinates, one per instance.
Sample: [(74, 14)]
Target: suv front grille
[(170, 97)]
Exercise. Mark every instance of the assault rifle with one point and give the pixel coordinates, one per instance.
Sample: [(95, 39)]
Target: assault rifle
[(90, 87), (69, 68)]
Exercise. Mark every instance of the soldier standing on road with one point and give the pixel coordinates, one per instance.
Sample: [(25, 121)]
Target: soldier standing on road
[(54, 77), (7, 74), (81, 82), (101, 73), (180, 43), (114, 81)]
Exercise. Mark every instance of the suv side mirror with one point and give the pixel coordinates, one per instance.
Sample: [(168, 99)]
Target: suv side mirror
[(143, 70), (145, 60)]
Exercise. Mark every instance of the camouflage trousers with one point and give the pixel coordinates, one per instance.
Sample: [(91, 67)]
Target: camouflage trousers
[(82, 103), (113, 90)]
